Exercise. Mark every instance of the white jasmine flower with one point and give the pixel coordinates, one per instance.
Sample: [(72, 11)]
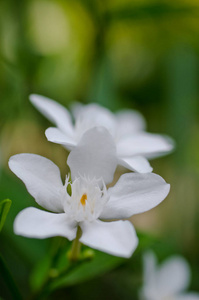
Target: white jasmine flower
[(133, 145), (168, 281), (86, 207)]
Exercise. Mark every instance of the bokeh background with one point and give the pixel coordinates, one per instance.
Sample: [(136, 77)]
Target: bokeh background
[(142, 55)]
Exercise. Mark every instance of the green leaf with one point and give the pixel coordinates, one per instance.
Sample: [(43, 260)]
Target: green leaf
[(53, 262), (99, 265), (4, 209), (40, 273), (7, 277)]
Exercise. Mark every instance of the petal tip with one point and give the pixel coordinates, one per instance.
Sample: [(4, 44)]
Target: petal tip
[(34, 98)]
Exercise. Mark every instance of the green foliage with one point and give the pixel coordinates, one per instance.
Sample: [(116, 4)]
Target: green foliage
[(40, 273), (121, 54), (152, 10), (86, 270), (8, 279), (29, 250), (55, 270), (4, 209)]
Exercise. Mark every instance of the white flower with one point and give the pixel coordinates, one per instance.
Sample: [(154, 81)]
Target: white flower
[(89, 203), (133, 145), (167, 281)]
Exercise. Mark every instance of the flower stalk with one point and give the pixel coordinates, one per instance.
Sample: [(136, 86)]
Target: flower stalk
[(74, 253)]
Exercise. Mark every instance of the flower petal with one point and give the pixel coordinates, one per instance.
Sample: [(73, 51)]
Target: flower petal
[(92, 115), (76, 108), (35, 223), (42, 179), (188, 296), (145, 144), (150, 289), (150, 269), (133, 194), (94, 156), (57, 136), (117, 238), (53, 111), (128, 122), (173, 276), (136, 163)]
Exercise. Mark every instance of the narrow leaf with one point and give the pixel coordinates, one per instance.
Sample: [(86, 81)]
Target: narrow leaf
[(4, 209), (99, 265)]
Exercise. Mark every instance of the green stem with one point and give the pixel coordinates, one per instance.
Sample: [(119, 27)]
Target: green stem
[(9, 280), (76, 246)]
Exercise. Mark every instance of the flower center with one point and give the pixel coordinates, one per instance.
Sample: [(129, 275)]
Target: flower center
[(83, 199), (86, 199)]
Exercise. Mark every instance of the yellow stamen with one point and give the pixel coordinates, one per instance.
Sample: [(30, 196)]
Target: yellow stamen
[(83, 199)]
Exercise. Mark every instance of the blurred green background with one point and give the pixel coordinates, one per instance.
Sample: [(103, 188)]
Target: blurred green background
[(142, 55)]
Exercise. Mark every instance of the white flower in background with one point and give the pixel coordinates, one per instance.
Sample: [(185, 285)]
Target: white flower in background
[(167, 281), (133, 145), (95, 155), (89, 203)]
